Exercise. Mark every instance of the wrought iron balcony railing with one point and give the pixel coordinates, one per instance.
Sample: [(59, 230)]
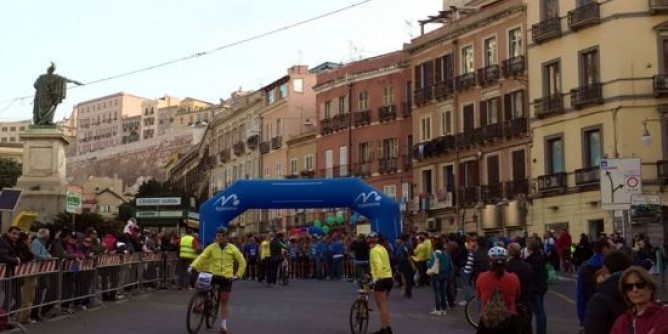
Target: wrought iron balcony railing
[(362, 118), (444, 89), (515, 127), (587, 95), (276, 142), (326, 126), (264, 147), (488, 75), (514, 66), (552, 182), (549, 105), (584, 16), (465, 81), (590, 176), (387, 165), (387, 113), (545, 30)]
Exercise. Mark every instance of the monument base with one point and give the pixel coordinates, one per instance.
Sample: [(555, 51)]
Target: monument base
[(43, 181)]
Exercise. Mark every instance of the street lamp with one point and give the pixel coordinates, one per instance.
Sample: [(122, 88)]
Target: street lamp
[(646, 138)]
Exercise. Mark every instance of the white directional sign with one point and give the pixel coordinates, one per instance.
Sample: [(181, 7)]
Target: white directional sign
[(620, 180), (159, 201)]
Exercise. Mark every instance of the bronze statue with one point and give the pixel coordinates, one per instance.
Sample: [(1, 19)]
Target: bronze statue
[(50, 90)]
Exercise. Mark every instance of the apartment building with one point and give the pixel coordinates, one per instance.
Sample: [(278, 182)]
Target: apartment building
[(301, 164), (151, 121), (192, 112), (597, 73), (10, 131), (470, 119), (288, 111)]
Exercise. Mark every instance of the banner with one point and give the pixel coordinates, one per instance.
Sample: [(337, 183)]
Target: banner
[(74, 199)]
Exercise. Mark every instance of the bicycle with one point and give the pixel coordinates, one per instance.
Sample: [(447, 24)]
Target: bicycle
[(359, 312), (203, 306), (472, 311)]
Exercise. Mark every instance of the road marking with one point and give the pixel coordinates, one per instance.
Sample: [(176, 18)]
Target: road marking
[(562, 296)]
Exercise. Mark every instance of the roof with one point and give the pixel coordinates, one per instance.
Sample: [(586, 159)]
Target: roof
[(328, 65), (275, 84), (111, 191)]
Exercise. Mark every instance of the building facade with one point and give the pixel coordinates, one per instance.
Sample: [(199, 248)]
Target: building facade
[(10, 131), (301, 164), (470, 119), (596, 87)]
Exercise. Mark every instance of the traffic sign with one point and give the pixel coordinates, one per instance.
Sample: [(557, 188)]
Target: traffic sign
[(74, 198), (620, 180), (645, 208)]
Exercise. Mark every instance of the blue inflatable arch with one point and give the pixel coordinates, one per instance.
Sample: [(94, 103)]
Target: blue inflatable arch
[(381, 210)]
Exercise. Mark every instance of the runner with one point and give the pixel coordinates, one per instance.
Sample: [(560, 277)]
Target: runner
[(381, 273), (218, 259)]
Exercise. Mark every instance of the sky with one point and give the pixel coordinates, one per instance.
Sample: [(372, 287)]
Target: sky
[(91, 40)]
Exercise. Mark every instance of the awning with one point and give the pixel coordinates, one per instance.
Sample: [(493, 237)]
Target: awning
[(25, 219)]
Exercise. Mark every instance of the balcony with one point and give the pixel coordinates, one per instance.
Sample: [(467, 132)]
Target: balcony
[(491, 192), (387, 165), (361, 118), (407, 161), (465, 140), (488, 75), (276, 142), (662, 171), (406, 109), (516, 187), (660, 84), (422, 95), (443, 145), (514, 66), (552, 182), (656, 6), (253, 141), (465, 81), (468, 195), (224, 155), (239, 148), (443, 90), (387, 113), (333, 172), (307, 173), (546, 30), (586, 95), (325, 126), (362, 169), (590, 176), (340, 122), (264, 147), (492, 132), (549, 105), (584, 16), (515, 127)]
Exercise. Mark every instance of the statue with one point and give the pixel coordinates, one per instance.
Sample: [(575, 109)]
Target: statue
[(50, 91)]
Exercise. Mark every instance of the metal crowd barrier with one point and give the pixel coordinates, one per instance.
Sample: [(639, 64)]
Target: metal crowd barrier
[(43, 289)]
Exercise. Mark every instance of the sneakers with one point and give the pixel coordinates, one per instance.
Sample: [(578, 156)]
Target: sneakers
[(437, 313), (462, 303)]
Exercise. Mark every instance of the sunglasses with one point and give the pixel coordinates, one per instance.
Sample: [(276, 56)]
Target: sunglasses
[(638, 285)]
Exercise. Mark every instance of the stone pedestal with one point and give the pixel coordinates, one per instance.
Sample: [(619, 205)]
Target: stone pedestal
[(43, 181)]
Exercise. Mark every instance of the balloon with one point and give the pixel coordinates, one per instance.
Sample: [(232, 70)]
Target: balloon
[(325, 229), (311, 230), (317, 223), (339, 220), (331, 220), (354, 218)]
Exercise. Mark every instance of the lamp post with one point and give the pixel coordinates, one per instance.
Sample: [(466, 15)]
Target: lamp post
[(646, 138)]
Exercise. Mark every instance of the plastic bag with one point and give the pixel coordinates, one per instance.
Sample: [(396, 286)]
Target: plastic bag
[(551, 274)]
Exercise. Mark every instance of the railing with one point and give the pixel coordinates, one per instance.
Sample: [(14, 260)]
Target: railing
[(465, 139), (422, 95), (387, 165), (465, 81), (516, 187), (492, 132), (584, 16), (549, 105), (253, 141), (468, 195), (491, 192), (362, 169), (276, 142), (488, 75), (264, 147), (224, 155), (658, 6), (340, 122), (306, 173), (545, 30), (590, 176), (326, 126), (660, 84), (387, 113), (362, 118), (239, 148), (406, 109), (552, 181), (662, 171), (586, 95), (444, 89), (514, 66), (515, 127), (336, 171)]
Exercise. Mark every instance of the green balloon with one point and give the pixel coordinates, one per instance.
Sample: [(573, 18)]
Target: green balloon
[(331, 220), (339, 220), (317, 223), (325, 229)]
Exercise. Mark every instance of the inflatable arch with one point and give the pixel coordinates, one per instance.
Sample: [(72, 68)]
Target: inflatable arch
[(381, 211)]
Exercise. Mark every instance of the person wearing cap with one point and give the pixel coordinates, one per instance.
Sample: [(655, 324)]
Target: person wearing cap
[(381, 273), (219, 259), (506, 282), (38, 245)]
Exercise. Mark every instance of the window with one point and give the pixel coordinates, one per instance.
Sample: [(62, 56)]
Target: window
[(390, 191), (271, 96), (425, 129), (12, 139), (390, 148), (279, 128), (490, 51), (279, 169), (549, 9), (424, 75), (4, 139), (446, 123), (363, 103), (493, 169), (266, 173), (364, 153), (467, 60), (589, 67), (293, 166), (515, 42), (283, 90), (552, 79), (328, 110), (343, 104), (469, 119), (519, 165), (308, 162), (592, 147), (388, 96), (555, 154), (4, 129), (298, 85), (468, 174), (489, 112), (444, 68), (22, 128), (427, 187), (12, 129), (448, 178), (514, 105)]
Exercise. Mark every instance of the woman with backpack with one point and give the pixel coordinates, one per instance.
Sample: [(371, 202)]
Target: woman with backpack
[(497, 291), (439, 265)]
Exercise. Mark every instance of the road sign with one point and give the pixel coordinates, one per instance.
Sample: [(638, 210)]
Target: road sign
[(160, 214), (620, 179), (645, 207), (74, 199), (159, 201), (9, 198)]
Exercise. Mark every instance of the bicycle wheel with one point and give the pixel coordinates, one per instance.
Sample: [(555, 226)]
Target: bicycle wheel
[(285, 273), (196, 314), (213, 309), (359, 317), (472, 311)]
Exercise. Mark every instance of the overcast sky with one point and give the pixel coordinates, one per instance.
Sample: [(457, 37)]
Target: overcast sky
[(90, 40)]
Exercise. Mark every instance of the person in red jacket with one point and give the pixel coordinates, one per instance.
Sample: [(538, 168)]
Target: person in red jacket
[(564, 248), (645, 316), (507, 283)]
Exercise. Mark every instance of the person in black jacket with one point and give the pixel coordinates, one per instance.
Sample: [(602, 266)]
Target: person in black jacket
[(525, 273), (607, 303), (539, 284), (276, 247), (8, 254), (480, 259)]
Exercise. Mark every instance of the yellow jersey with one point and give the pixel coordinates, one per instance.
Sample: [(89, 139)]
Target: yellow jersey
[(379, 262), (265, 251), (220, 261)]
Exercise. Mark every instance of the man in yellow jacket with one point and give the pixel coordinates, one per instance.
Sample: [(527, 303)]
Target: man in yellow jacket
[(421, 254), (381, 273), (218, 259), (265, 256)]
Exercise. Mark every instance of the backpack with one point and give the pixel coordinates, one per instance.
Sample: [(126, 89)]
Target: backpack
[(496, 314)]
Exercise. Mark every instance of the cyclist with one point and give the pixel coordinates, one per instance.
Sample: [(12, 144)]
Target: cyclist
[(381, 272), (218, 259), (497, 291)]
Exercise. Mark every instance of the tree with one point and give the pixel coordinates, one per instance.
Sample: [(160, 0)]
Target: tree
[(10, 170), (81, 223), (125, 212)]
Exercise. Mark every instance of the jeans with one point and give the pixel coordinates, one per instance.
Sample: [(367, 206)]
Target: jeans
[(440, 283), (538, 310), (465, 283), (184, 275), (337, 267)]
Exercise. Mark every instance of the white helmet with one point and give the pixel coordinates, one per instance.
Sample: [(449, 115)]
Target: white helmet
[(498, 254)]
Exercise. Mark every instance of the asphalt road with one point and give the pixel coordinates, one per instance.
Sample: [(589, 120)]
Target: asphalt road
[(305, 306)]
